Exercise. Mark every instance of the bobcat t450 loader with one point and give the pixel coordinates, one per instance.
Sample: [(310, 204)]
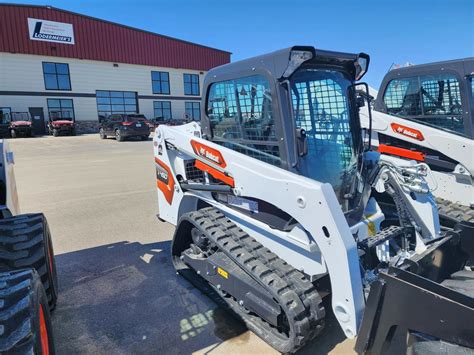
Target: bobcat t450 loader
[(273, 198), (426, 113), (28, 279)]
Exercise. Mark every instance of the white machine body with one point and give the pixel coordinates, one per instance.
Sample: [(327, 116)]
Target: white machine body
[(457, 184), (321, 243)]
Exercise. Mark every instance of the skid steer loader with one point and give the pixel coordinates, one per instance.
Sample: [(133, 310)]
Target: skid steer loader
[(426, 113), (274, 198), (28, 278)]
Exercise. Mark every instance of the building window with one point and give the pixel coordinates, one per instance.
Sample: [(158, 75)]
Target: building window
[(4, 112), (160, 82), (162, 110), (60, 109), (191, 84), (56, 76), (110, 102), (193, 110), (471, 79)]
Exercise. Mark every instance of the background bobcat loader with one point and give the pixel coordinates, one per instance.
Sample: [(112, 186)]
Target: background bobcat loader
[(274, 198), (28, 279), (426, 113)]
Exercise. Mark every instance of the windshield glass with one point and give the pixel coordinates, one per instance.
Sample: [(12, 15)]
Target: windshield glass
[(134, 118), (321, 107), (20, 116), (64, 115)]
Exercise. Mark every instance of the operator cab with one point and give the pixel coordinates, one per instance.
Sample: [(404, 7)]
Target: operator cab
[(440, 95), (295, 109)]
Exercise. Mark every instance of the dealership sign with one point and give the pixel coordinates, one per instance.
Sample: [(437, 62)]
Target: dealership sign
[(50, 31)]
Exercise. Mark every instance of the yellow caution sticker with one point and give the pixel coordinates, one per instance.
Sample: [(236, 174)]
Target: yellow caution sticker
[(223, 273), (372, 229)]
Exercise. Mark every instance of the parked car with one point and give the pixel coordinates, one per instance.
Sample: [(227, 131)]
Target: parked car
[(61, 123), (122, 126), (19, 124)]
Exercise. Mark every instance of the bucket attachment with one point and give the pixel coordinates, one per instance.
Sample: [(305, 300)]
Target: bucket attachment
[(432, 297)]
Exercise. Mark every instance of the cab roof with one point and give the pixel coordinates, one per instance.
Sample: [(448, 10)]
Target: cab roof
[(275, 63)]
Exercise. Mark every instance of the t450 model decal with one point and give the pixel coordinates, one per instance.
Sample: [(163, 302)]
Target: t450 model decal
[(164, 180)]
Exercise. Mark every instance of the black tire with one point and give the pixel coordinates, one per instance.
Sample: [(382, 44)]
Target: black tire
[(73, 132), (25, 242), (118, 136), (13, 133), (102, 134), (25, 319), (144, 138), (55, 132)]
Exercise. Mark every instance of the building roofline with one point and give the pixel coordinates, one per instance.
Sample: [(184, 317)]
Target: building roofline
[(113, 23)]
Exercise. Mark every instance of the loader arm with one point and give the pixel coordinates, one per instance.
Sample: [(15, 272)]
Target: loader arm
[(324, 236), (450, 156), (457, 148)]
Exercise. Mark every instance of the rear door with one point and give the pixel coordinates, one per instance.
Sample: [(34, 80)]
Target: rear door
[(110, 123), (37, 118), (117, 123)]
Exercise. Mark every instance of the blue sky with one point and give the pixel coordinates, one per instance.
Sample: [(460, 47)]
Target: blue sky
[(397, 31)]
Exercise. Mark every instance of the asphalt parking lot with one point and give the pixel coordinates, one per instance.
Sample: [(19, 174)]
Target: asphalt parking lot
[(118, 290)]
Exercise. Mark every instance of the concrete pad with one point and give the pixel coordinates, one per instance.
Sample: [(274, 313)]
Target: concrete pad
[(119, 293)]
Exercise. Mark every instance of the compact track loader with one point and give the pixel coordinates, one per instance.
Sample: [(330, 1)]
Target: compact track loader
[(426, 113), (28, 278), (274, 197)]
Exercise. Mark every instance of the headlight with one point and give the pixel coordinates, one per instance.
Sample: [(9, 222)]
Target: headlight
[(296, 59)]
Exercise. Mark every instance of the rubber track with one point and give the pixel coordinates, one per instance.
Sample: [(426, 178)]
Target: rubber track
[(455, 211), (296, 295), (22, 246)]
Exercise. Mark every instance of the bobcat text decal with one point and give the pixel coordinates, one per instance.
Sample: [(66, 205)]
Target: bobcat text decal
[(407, 131), (210, 154), (215, 157)]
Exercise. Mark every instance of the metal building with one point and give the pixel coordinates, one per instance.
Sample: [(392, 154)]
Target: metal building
[(54, 62)]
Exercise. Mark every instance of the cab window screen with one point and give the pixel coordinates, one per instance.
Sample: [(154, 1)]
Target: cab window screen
[(441, 95), (241, 117), (434, 100), (442, 102), (403, 97), (321, 108)]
